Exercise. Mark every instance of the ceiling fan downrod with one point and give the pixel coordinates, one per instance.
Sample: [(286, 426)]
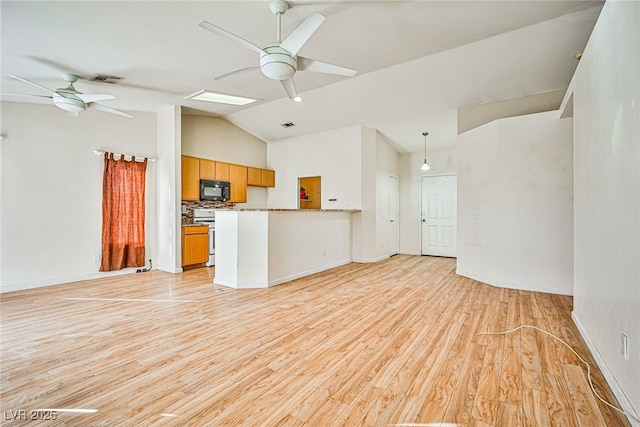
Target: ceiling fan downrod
[(278, 8)]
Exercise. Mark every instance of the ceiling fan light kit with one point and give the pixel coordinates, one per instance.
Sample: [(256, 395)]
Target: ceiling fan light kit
[(69, 103), (277, 63), (279, 60)]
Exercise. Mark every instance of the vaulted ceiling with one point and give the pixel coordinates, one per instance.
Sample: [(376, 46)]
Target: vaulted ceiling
[(417, 61)]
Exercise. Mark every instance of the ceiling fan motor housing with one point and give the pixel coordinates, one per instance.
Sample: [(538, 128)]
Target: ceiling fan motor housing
[(277, 63)]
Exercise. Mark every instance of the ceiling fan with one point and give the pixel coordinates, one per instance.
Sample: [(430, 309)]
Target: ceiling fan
[(72, 101), (280, 60)]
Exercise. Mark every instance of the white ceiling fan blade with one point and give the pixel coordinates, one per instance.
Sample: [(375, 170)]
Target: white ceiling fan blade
[(226, 34), (25, 94), (90, 97), (307, 64), (237, 72), (299, 37), (32, 83), (289, 87), (106, 109)]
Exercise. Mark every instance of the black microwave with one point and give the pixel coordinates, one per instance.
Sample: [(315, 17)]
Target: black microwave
[(216, 191)]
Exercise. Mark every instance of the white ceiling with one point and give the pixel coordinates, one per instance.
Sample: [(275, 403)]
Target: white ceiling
[(417, 61)]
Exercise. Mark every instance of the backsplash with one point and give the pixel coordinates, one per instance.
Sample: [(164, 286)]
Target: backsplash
[(188, 207)]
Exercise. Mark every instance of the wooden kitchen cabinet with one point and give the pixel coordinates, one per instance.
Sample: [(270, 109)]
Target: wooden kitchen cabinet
[(194, 169), (222, 171), (190, 178), (260, 177), (207, 169), (254, 176), (238, 180), (195, 245), (268, 178)]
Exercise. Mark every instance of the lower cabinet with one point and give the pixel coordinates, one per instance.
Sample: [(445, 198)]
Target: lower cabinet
[(195, 245)]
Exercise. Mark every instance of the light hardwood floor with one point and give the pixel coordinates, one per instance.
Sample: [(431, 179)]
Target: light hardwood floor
[(390, 343)]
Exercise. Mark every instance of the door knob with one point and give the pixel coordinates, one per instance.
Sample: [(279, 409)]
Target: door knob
[(424, 220)]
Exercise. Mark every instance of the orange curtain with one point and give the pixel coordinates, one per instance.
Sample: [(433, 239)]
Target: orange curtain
[(123, 202)]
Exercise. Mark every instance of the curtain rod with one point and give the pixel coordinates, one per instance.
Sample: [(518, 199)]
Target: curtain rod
[(101, 152)]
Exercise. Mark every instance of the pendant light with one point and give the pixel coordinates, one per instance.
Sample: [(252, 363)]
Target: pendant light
[(425, 166)]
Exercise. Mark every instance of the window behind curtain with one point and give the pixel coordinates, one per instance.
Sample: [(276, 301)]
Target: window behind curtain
[(123, 210)]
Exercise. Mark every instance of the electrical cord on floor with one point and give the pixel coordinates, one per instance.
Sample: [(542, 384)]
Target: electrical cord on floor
[(595, 393), (144, 270)]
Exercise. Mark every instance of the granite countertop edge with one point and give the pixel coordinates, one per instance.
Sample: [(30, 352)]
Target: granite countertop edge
[(190, 224), (287, 210)]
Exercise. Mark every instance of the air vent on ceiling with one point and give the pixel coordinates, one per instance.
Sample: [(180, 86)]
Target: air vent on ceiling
[(287, 125), (105, 78)]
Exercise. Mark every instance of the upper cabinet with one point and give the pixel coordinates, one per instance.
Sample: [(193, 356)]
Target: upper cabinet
[(222, 171), (190, 178), (261, 177), (268, 178), (238, 180), (254, 176), (207, 169), (194, 169)]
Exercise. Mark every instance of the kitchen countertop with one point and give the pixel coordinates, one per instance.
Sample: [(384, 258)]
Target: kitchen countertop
[(191, 224), (287, 210)]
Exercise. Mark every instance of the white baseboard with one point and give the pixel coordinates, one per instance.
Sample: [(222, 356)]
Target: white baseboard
[(236, 285), (618, 392), (280, 280), (410, 253), (371, 260), (474, 276), (63, 280), (479, 278), (170, 269)]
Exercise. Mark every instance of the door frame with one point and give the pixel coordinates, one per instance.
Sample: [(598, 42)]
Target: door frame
[(397, 220)]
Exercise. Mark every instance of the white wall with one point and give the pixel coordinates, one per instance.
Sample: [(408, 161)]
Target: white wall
[(364, 222), (169, 189), (334, 155), (472, 116), (607, 196), (442, 162), (355, 164), (371, 226), (387, 159), (303, 243), (52, 190), (515, 203), (215, 138), (242, 249), (258, 249)]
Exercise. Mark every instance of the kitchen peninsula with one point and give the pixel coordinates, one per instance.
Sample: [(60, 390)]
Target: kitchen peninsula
[(258, 248)]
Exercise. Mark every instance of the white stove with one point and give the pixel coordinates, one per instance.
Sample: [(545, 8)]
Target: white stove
[(208, 217)]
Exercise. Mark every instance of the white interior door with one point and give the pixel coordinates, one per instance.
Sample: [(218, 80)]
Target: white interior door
[(394, 215), (439, 215)]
